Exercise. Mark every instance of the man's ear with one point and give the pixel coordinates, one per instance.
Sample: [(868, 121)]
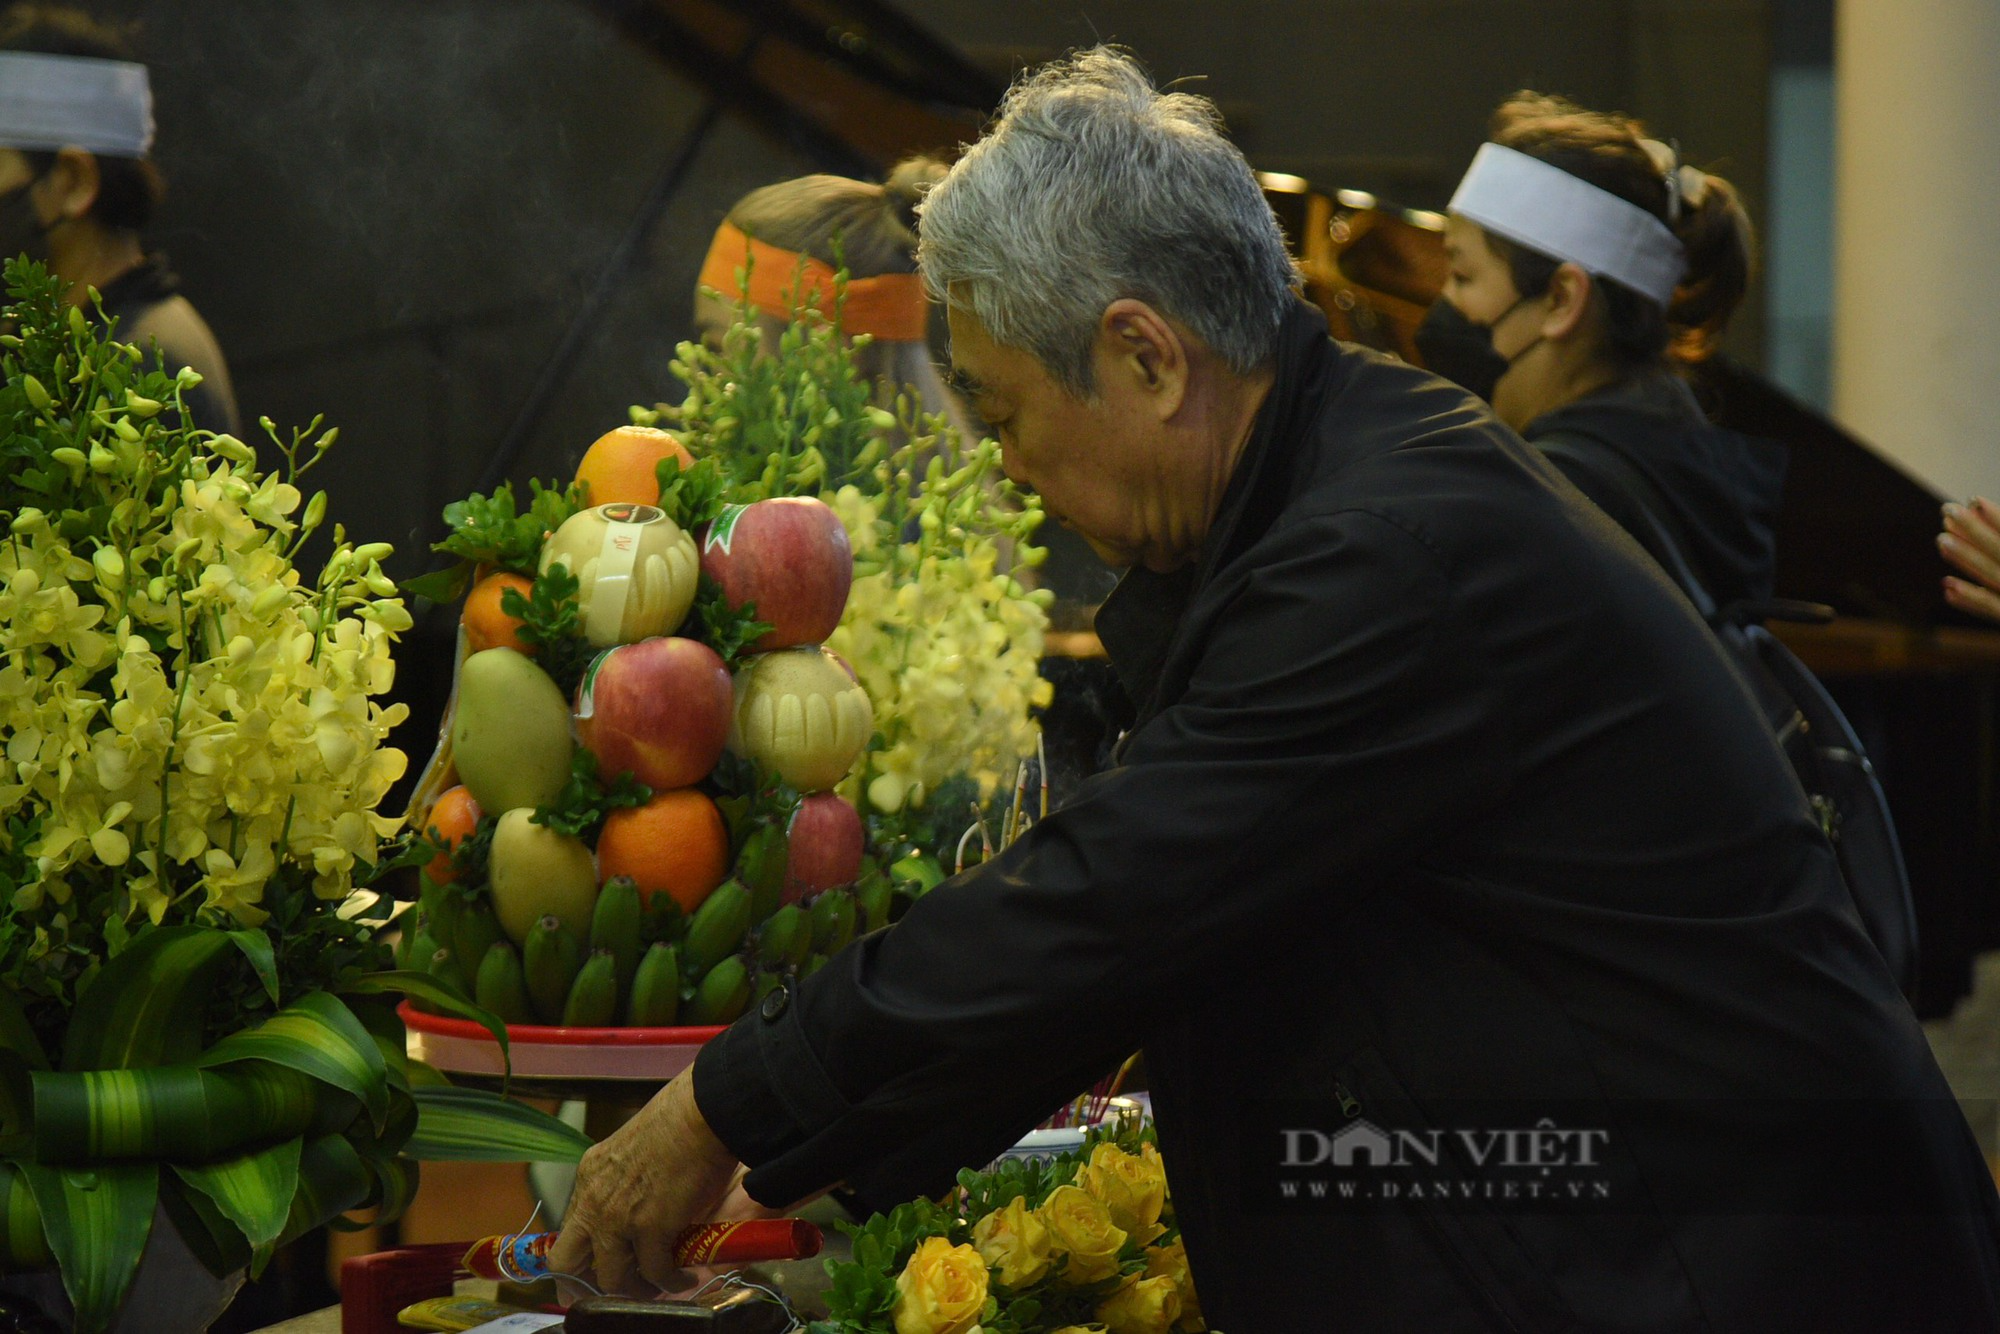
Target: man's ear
[(70, 188), (1569, 296), (1141, 350)]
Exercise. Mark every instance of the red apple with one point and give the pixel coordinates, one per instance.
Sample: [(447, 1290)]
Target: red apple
[(658, 710), (823, 845), (791, 558)]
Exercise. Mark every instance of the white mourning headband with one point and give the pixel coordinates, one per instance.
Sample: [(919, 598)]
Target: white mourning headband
[(53, 102), (1546, 209)]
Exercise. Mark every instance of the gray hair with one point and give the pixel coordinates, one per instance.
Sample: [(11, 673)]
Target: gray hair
[(1094, 186)]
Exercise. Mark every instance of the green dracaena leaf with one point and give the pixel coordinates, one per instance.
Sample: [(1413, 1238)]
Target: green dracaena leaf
[(97, 1221), (473, 1126), (254, 1191), (144, 1007), (424, 1075), (401, 1124), (179, 1111), (23, 1244), (424, 987), (332, 1180), (256, 947), (15, 1034), (214, 1240), (395, 1177), (317, 1036), (17, 1103)]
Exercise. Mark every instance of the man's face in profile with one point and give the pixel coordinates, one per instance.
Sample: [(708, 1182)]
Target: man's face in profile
[(1093, 461)]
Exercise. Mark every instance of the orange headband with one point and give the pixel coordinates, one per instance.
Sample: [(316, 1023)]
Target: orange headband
[(890, 305)]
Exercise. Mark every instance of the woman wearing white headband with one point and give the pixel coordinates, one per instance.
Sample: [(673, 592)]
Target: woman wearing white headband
[(78, 187), (1588, 265)]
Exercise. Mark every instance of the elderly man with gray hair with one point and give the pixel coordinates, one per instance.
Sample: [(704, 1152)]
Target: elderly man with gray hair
[(1491, 971)]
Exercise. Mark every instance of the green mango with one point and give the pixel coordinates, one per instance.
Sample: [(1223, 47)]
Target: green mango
[(536, 871), (510, 731)]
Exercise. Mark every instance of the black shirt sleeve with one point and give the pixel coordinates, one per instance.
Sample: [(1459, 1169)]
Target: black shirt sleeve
[(1326, 685)]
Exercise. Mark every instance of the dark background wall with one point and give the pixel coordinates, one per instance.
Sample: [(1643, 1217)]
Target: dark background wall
[(389, 211)]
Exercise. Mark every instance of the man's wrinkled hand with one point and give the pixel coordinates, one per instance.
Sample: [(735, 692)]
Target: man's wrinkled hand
[(660, 1173)]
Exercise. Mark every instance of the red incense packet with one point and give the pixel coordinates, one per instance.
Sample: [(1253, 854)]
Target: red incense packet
[(524, 1257)]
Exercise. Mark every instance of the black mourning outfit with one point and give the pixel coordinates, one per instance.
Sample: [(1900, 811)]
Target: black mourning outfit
[(1718, 490), (152, 314), (1442, 809)]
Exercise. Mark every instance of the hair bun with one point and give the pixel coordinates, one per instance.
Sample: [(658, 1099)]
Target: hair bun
[(909, 181)]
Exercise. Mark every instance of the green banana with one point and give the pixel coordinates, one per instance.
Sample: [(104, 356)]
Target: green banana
[(593, 997), (723, 994), (443, 907), (718, 928), (444, 968), (811, 966), (768, 981), (414, 922), (656, 988), (422, 946), (501, 987), (761, 867), (549, 961), (614, 926), (832, 921), (475, 933), (778, 934), (662, 921), (872, 895)]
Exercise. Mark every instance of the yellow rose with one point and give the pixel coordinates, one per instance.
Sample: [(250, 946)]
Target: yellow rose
[(1133, 1188), (1081, 1228), (1015, 1242), (942, 1290), (1171, 1262), (1141, 1306), (1081, 1329)]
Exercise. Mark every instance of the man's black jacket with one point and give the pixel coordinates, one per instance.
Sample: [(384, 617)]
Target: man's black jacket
[(1443, 814)]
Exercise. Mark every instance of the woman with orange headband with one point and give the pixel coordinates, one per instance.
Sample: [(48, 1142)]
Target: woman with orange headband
[(787, 235)]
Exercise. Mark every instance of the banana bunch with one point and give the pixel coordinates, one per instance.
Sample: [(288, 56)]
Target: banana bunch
[(644, 964)]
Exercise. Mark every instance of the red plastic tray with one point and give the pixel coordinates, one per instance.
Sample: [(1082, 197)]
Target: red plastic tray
[(547, 1051)]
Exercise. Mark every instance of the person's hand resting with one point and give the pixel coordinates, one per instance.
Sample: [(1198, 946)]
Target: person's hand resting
[(1971, 543), (658, 1174)]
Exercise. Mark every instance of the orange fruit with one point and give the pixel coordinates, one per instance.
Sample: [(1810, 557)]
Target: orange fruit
[(486, 626), (452, 819), (674, 844), (622, 464)]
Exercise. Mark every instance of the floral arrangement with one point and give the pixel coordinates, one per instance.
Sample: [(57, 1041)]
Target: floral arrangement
[(1082, 1243), (939, 627), (195, 1011), (946, 640)]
